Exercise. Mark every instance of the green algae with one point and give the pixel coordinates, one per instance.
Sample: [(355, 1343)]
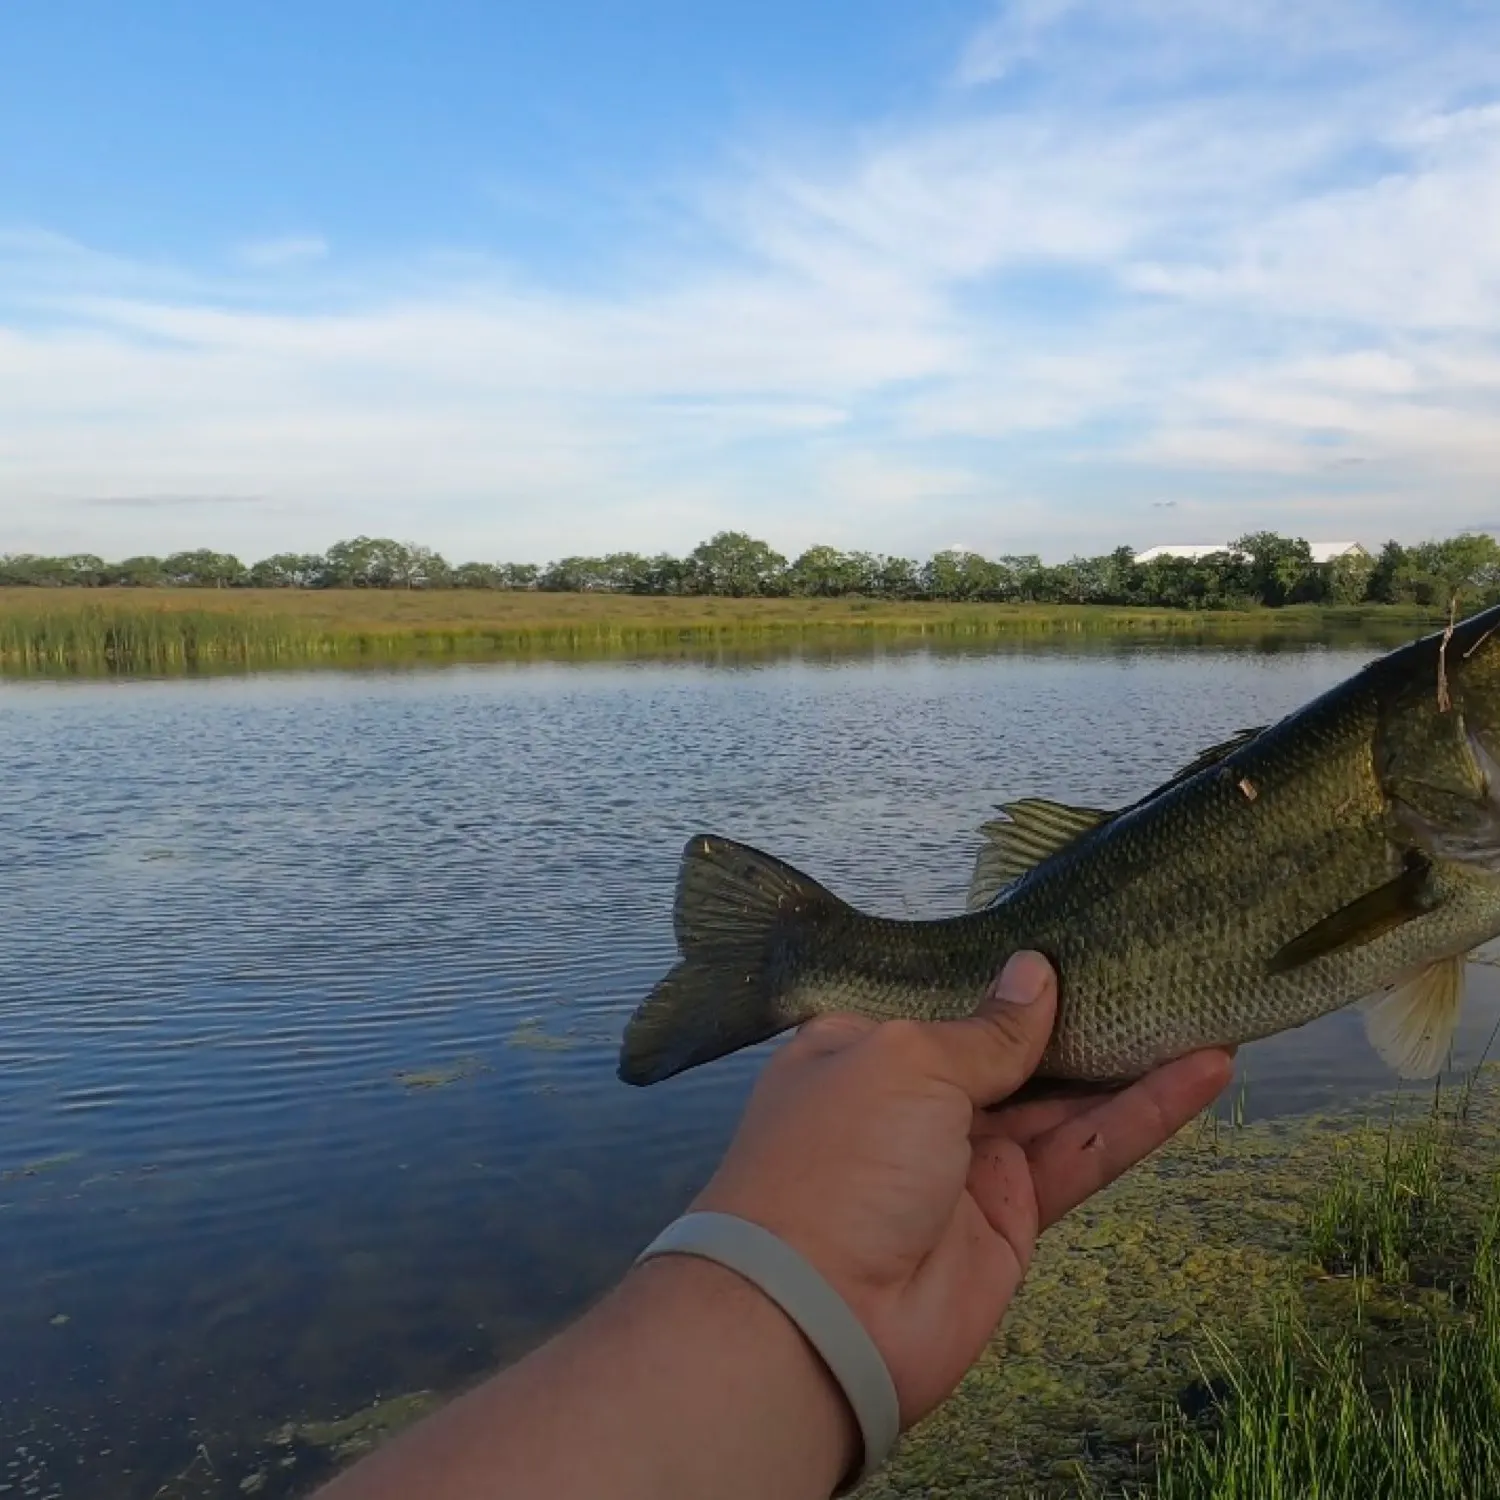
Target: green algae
[(442, 1075), (348, 1437), (531, 1034), (41, 1165)]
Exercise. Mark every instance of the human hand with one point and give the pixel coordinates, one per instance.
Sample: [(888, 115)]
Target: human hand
[(872, 1151)]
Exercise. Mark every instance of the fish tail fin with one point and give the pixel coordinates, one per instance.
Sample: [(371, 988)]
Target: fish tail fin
[(742, 919)]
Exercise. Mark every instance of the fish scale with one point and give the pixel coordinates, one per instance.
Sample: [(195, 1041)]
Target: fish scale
[(1351, 849)]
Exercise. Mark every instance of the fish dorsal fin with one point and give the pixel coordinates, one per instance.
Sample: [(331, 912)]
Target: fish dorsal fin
[(1363, 920), (1031, 831), (1215, 753), (1412, 1026)]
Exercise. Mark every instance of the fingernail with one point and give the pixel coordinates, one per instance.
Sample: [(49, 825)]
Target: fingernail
[(1023, 980)]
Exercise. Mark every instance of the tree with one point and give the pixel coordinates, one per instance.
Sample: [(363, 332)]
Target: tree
[(418, 567), (960, 575), (519, 575), (287, 570), (1082, 580), (574, 575), (365, 562), (1347, 579), (1384, 581), (825, 572), (897, 578), (668, 574), (736, 564), (1120, 577), (26, 569), (629, 573), (203, 569), (1023, 577), (474, 575), (1457, 572), (139, 573), (1281, 567)]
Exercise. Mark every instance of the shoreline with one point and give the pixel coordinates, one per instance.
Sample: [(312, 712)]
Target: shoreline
[(121, 630)]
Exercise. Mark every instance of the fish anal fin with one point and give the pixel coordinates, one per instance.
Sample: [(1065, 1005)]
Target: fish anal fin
[(1363, 920), (1032, 830), (1412, 1026)]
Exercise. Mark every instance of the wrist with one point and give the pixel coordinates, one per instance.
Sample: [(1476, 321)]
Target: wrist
[(769, 1352)]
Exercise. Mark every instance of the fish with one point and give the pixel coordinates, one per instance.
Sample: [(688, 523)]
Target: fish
[(1349, 852)]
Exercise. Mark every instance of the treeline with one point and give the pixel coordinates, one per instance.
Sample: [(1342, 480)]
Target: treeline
[(1261, 568)]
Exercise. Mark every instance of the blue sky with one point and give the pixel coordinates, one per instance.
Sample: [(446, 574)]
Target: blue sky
[(516, 281)]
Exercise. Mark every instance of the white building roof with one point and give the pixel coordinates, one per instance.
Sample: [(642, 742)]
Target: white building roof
[(1322, 552)]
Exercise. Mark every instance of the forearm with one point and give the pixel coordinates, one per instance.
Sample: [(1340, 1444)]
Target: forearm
[(685, 1382)]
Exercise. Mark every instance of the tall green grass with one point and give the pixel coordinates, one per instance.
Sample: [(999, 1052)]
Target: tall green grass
[(67, 631), (1377, 1225), (1305, 1416), (112, 640), (1402, 1400)]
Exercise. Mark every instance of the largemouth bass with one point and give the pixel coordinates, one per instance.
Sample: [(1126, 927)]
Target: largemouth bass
[(1350, 851)]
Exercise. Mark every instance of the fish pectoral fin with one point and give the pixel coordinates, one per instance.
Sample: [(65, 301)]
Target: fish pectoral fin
[(1412, 1026), (1032, 830), (1363, 920)]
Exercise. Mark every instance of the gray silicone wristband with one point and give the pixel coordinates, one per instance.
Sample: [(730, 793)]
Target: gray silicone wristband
[(808, 1300)]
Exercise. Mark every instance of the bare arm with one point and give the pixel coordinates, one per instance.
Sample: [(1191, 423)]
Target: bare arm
[(684, 1381)]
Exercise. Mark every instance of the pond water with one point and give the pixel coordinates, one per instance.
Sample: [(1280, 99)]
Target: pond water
[(311, 985)]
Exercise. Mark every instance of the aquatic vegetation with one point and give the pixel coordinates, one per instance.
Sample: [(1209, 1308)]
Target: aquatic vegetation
[(442, 1075), (40, 1165), (106, 630), (346, 1438), (530, 1034)]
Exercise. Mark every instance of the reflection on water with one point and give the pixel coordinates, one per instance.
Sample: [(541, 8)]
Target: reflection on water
[(310, 987)]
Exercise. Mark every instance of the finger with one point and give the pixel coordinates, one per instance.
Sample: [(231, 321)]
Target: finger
[(1023, 1123), (1076, 1158), (1057, 1088), (993, 1052), (824, 1035), (999, 1181)]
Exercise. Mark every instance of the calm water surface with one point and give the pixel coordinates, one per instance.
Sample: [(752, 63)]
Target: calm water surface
[(310, 989)]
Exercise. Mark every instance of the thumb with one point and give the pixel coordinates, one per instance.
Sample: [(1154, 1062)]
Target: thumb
[(993, 1052)]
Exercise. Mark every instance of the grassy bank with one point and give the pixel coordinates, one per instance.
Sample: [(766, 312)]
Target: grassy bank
[(163, 630)]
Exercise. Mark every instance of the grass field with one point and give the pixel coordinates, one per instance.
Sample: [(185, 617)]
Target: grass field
[(158, 630)]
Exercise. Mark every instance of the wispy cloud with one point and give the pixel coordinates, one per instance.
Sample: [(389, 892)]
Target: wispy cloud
[(1013, 35), (161, 502), (1217, 267), (288, 250)]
